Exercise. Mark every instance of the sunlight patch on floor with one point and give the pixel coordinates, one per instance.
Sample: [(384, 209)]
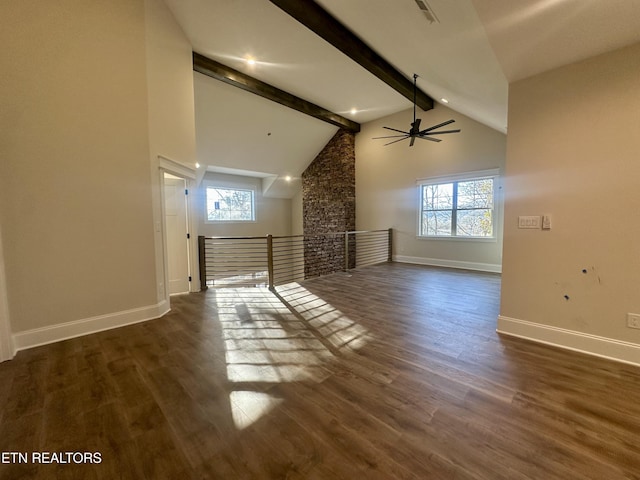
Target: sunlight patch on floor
[(265, 341), (334, 326), (247, 406), (270, 338)]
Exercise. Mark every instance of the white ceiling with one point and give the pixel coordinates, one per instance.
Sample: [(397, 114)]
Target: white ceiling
[(533, 36), (469, 57)]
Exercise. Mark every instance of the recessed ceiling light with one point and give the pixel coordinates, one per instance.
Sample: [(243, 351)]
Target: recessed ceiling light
[(353, 111), (251, 61), (444, 100), (197, 165), (287, 178)]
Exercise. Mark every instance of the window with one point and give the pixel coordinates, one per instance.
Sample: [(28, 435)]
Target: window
[(458, 206), (226, 204)]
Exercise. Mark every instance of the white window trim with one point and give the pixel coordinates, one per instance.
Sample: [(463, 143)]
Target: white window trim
[(230, 186), (460, 177)]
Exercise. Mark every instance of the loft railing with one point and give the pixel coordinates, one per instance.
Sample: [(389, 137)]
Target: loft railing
[(277, 260), (233, 261)]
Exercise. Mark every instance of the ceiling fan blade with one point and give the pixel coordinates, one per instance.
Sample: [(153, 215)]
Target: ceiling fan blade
[(389, 136), (413, 139), (399, 140), (415, 126), (436, 126), (396, 130), (444, 131), (428, 138)]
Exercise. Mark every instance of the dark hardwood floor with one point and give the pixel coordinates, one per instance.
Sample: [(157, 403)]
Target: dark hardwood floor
[(393, 372)]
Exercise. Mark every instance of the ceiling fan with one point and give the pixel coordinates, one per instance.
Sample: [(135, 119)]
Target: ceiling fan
[(415, 131)]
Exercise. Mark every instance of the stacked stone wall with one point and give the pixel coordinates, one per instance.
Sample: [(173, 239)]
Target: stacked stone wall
[(329, 205)]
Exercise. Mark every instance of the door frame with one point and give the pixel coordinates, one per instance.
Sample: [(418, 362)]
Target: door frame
[(177, 187), (7, 347), (189, 176)]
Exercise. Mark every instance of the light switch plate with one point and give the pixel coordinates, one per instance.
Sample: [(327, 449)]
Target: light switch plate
[(529, 221), (633, 320)]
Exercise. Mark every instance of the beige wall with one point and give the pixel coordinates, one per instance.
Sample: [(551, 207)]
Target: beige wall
[(75, 191), (170, 86), (273, 215), (573, 152), (386, 191), (296, 213), (171, 109)]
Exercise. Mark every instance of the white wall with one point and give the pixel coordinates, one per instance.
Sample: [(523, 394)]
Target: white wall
[(75, 188), (573, 153), (273, 215), (171, 111), (387, 195), (75, 171)]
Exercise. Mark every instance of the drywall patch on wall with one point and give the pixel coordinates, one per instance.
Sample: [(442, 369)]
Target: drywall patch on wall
[(329, 204), (583, 274)]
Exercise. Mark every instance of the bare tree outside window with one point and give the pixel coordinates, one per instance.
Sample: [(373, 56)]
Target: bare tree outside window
[(230, 205), (457, 209), (437, 209)]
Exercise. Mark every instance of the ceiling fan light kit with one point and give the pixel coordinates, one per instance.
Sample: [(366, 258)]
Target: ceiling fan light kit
[(415, 132)]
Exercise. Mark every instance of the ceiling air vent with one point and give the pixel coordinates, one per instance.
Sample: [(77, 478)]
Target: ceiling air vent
[(428, 11)]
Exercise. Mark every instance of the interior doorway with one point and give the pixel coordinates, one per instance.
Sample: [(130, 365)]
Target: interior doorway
[(176, 217)]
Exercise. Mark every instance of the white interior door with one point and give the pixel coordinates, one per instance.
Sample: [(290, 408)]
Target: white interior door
[(175, 203)]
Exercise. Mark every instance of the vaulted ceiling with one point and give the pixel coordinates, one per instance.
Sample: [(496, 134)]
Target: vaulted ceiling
[(468, 55)]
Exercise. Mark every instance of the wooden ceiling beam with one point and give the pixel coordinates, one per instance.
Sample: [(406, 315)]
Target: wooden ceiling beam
[(225, 74), (323, 24)]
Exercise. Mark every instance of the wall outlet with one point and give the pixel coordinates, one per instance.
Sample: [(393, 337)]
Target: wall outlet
[(633, 320)]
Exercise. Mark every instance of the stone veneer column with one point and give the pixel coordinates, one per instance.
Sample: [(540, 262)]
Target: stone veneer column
[(329, 205)]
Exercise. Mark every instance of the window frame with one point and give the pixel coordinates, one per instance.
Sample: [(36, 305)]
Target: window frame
[(493, 173), (229, 186)]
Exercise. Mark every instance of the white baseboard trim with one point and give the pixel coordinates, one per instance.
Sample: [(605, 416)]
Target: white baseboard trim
[(604, 347), (7, 348), (7, 345), (439, 262), (78, 328)]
